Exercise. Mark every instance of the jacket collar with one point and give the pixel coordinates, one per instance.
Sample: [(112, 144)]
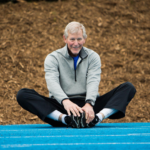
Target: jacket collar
[(83, 53)]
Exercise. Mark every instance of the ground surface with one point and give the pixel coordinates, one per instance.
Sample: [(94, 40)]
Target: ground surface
[(118, 30), (114, 136)]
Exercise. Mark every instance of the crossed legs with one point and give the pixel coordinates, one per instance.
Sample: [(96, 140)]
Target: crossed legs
[(111, 105)]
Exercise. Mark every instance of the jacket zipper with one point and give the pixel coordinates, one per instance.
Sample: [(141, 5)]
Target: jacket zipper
[(75, 75), (75, 72)]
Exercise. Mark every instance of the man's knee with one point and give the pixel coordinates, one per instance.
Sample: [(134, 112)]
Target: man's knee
[(21, 94), (130, 86), (131, 89)]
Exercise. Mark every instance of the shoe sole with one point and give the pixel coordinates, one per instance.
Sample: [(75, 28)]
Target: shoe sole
[(75, 122), (83, 123)]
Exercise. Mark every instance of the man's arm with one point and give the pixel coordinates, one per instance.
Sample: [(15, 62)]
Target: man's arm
[(93, 77), (93, 80), (51, 69), (52, 79), (89, 112)]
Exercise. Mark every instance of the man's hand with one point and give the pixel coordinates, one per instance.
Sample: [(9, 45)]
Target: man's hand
[(71, 107), (89, 112)]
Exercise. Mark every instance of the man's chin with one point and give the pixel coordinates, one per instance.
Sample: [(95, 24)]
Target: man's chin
[(75, 54), (75, 51)]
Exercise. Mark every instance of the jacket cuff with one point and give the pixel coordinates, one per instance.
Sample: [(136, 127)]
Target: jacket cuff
[(90, 100)]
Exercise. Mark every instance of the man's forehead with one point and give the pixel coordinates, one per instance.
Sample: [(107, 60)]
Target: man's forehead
[(79, 33)]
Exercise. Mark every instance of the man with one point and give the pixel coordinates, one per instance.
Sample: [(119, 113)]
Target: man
[(72, 75)]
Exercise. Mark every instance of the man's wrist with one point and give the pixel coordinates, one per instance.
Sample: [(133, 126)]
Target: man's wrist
[(91, 102), (87, 104), (62, 102)]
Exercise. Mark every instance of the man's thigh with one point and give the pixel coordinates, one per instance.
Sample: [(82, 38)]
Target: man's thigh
[(118, 98)]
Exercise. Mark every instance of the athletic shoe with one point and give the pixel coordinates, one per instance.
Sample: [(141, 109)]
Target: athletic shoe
[(83, 123), (72, 121), (94, 122)]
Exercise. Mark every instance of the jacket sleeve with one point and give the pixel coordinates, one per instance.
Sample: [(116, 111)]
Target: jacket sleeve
[(51, 69), (93, 77)]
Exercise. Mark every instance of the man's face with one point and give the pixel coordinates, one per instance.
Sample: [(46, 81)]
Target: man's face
[(75, 42)]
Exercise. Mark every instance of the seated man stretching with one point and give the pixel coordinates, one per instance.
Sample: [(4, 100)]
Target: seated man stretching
[(72, 75)]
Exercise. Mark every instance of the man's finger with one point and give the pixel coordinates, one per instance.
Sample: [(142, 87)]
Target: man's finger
[(76, 111), (72, 110), (86, 115), (91, 117), (68, 112), (80, 110)]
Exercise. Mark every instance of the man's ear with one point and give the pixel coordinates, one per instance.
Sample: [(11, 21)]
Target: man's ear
[(64, 39), (84, 40)]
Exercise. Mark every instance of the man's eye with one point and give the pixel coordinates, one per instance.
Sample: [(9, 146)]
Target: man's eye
[(79, 39), (72, 39)]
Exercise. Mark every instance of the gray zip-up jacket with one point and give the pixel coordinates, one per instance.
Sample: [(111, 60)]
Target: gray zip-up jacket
[(63, 81)]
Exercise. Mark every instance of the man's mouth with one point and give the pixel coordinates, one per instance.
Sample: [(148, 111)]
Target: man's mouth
[(75, 46)]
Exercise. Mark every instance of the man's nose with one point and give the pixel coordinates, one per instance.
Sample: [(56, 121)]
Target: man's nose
[(76, 42)]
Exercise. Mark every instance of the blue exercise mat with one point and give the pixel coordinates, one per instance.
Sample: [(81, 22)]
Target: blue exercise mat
[(112, 136)]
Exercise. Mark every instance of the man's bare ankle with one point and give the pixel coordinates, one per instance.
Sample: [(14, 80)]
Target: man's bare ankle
[(60, 118), (102, 116)]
